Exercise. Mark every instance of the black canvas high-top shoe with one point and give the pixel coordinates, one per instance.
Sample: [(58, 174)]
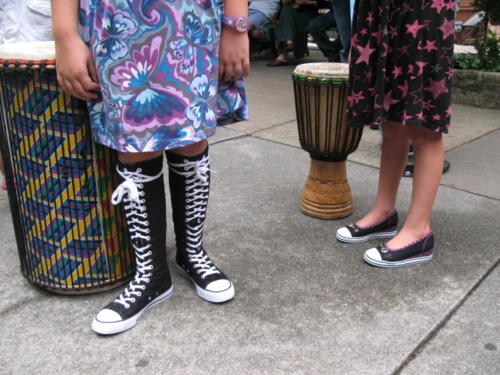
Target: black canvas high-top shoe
[(189, 179), (142, 195)]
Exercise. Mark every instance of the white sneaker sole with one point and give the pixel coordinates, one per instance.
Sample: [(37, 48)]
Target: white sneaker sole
[(398, 263), (214, 297), (111, 328), (341, 238)]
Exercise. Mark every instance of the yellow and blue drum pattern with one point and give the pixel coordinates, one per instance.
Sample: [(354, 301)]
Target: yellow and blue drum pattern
[(70, 237)]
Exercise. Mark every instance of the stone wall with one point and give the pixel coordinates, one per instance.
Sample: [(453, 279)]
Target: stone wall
[(480, 89)]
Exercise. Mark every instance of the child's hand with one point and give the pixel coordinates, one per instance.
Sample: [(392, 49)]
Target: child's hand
[(76, 71), (234, 61)]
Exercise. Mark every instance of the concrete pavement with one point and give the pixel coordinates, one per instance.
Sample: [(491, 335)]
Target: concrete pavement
[(305, 303)]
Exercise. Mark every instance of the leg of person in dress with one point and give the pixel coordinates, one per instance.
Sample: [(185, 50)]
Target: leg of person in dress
[(318, 28), (141, 185), (402, 74), (342, 13)]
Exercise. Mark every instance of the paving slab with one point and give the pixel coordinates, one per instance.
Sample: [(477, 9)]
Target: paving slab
[(305, 303), (469, 123), (475, 166), (473, 334), (270, 90)]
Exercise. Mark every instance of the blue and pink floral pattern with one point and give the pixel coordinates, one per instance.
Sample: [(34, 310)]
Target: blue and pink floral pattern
[(157, 63)]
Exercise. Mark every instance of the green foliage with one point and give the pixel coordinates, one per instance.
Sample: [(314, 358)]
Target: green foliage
[(466, 61), (488, 53), (487, 58), (487, 44), (491, 7)]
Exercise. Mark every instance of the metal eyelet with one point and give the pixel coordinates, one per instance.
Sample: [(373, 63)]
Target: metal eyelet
[(139, 170)]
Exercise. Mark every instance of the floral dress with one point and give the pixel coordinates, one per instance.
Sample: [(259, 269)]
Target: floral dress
[(157, 63), (401, 63)]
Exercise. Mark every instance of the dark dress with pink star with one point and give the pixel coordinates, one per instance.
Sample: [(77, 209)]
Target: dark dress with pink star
[(401, 63)]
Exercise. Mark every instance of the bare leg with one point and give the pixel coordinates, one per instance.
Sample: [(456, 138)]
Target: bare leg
[(191, 150), (282, 58), (392, 163), (131, 158), (428, 168)]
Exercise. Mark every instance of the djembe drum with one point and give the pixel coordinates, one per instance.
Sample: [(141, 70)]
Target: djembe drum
[(321, 91), (69, 236)]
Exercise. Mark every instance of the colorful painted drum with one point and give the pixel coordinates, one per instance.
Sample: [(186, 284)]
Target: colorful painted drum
[(70, 238), (321, 91)]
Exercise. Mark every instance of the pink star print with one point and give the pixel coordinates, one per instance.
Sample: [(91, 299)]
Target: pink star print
[(355, 98), (450, 5), (430, 46), (449, 112), (428, 105), (414, 28), (389, 101), (438, 5), (436, 117), (437, 87), (448, 28), (404, 89), (398, 70), (365, 53), (369, 19), (421, 65), (421, 116), (406, 118)]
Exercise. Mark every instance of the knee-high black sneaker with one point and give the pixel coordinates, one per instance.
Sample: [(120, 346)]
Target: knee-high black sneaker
[(189, 179), (142, 195)]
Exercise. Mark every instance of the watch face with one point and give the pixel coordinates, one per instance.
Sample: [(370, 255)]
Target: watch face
[(241, 24)]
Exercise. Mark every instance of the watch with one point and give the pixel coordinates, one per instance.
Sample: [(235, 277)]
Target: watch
[(240, 24)]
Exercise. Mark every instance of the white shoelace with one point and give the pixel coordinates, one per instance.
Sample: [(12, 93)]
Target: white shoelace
[(129, 192), (197, 188)]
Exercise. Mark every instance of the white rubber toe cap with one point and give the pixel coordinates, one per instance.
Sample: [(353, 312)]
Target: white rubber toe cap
[(218, 285), (108, 316), (373, 254), (344, 232)]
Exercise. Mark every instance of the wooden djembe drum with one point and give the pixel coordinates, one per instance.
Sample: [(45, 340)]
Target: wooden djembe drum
[(321, 91), (70, 238)]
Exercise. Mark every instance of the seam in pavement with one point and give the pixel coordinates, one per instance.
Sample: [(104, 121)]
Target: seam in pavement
[(359, 163), (223, 140), (472, 140), (18, 305), (272, 126), (428, 338)]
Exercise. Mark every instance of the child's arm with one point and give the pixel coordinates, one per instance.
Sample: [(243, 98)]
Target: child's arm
[(234, 50), (75, 69)]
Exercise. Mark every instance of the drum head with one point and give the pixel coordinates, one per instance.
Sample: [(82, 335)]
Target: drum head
[(323, 70), (36, 51)]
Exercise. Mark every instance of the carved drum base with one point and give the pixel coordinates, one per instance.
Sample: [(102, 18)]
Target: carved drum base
[(327, 194)]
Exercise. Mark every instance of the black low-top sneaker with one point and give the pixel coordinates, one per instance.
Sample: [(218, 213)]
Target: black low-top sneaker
[(211, 284), (355, 234), (416, 252)]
